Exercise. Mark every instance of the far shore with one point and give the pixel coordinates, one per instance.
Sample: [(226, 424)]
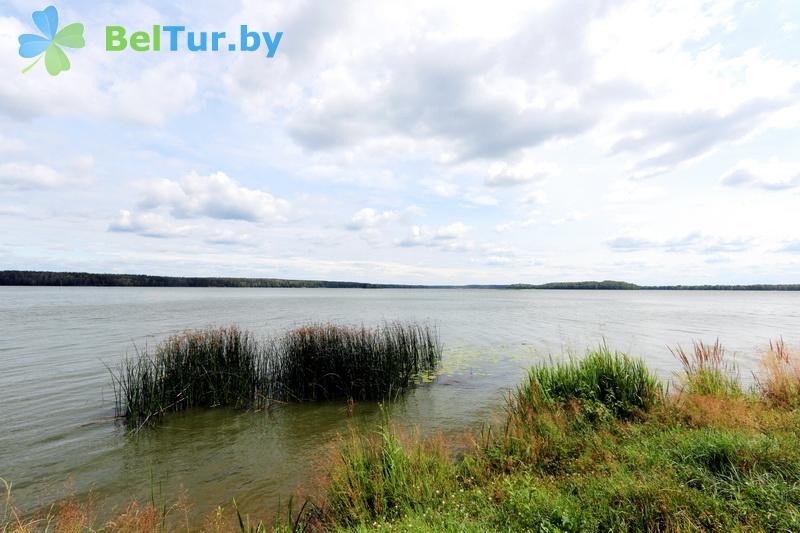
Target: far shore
[(25, 278)]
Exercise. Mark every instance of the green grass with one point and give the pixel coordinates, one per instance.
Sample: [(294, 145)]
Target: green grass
[(229, 367), (620, 384), (587, 445)]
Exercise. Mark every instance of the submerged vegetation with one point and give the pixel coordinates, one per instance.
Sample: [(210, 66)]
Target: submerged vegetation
[(596, 444), (229, 367)]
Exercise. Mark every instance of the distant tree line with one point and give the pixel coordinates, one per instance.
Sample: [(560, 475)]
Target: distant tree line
[(756, 287), (585, 285), (84, 279)]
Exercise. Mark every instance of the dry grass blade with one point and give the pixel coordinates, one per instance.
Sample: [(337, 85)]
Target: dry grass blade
[(781, 382), (707, 371)]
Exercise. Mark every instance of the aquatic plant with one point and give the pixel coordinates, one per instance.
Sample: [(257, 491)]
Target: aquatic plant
[(229, 367), (209, 368), (327, 361)]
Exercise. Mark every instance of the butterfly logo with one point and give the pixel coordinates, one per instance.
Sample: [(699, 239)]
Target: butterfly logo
[(50, 42)]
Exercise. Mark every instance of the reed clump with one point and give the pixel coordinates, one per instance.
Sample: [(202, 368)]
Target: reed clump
[(230, 367), (322, 362), (208, 368), (706, 371)]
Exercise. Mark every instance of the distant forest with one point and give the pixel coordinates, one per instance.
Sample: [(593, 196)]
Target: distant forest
[(84, 279)]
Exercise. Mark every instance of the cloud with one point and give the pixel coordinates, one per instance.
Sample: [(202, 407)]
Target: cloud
[(443, 188), (8, 210), (451, 231), (505, 175), (572, 216), (215, 196), (229, 238), (505, 227), (670, 138), (691, 242), (478, 198), (369, 218), (8, 144), (791, 247), (448, 237), (412, 79), (147, 225), (534, 198), (773, 175), (24, 176)]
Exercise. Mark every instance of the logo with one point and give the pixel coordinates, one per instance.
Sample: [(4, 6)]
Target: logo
[(177, 38), (50, 42)]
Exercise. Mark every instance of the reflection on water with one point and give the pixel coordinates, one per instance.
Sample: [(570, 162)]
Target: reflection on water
[(57, 434)]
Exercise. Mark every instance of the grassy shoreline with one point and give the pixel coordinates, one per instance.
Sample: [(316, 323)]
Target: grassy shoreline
[(593, 444)]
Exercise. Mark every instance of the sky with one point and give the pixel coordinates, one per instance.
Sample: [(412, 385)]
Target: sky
[(412, 142)]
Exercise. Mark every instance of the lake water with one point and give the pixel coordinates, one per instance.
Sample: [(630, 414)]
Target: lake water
[(58, 436)]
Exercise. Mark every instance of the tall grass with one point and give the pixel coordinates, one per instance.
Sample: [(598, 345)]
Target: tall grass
[(209, 368), (706, 371), (781, 383), (229, 367), (385, 474), (619, 383), (327, 361)]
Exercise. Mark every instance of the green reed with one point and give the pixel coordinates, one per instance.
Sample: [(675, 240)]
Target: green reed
[(230, 367), (323, 362)]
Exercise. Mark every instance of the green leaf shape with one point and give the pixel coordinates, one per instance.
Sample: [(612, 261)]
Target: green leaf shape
[(55, 60), (71, 36)]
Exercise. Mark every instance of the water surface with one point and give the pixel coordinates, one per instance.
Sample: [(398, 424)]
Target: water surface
[(58, 436)]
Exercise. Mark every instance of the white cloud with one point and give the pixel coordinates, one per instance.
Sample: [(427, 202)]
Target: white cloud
[(8, 144), (369, 218), (451, 231), (505, 175), (770, 175), (572, 216), (215, 196), (29, 176), (535, 198), (146, 225), (229, 238), (16, 175), (692, 242), (449, 237)]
